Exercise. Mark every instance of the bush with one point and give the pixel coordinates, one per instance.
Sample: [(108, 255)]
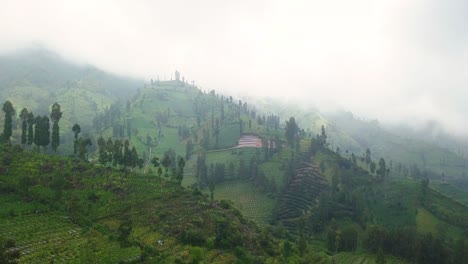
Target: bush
[(193, 237)]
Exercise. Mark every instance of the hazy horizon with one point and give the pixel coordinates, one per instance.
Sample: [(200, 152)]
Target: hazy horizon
[(397, 61)]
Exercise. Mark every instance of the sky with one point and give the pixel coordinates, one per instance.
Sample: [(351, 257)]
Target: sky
[(395, 60)]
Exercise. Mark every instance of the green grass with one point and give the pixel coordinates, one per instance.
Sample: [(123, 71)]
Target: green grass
[(229, 136), (249, 200), (273, 168), (451, 191), (394, 204), (426, 222), (234, 155)]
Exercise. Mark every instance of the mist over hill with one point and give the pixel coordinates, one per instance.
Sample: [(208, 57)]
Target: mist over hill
[(305, 185), (36, 78)]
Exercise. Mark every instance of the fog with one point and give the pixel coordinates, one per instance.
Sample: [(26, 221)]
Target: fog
[(397, 60)]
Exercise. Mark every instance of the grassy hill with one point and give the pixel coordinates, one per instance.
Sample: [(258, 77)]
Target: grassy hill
[(37, 78)]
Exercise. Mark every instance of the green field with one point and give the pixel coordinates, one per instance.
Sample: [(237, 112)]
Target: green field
[(253, 204), (233, 155), (274, 167)]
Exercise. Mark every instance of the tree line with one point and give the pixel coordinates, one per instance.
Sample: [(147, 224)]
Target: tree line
[(34, 129)]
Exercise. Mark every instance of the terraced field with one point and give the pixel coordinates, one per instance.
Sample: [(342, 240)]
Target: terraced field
[(303, 189), (46, 238)]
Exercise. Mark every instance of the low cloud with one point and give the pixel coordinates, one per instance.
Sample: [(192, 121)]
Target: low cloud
[(397, 61)]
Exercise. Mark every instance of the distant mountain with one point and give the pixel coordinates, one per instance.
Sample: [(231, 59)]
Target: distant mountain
[(427, 152), (37, 78)]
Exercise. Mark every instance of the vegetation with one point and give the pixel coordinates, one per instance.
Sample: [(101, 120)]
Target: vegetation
[(173, 174)]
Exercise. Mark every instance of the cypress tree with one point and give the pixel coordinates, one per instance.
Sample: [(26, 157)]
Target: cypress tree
[(42, 131), (127, 159), (37, 130), (55, 116), (109, 150), (9, 113), (76, 130), (117, 153), (30, 129), (45, 133), (24, 126), (102, 150)]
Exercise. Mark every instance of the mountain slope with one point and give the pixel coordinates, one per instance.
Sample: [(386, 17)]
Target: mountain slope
[(37, 78)]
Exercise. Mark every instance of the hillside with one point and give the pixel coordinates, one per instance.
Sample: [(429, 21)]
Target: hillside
[(412, 154), (294, 196), (37, 78), (64, 210)]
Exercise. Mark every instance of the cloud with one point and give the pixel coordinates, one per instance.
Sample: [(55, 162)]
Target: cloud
[(393, 60)]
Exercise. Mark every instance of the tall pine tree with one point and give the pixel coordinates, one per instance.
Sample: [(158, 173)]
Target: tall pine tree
[(24, 126), (31, 122), (55, 116), (76, 130), (9, 113)]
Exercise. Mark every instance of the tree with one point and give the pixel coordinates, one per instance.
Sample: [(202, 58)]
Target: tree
[(135, 160), (372, 167), (157, 164), (102, 150), (291, 131), (24, 126), (166, 162), (323, 136), (9, 113), (76, 130), (127, 159), (368, 158), (180, 173), (83, 143), (382, 171), (55, 116), (109, 150), (31, 122), (42, 131), (117, 153), (83, 148), (211, 186), (160, 171), (188, 149)]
